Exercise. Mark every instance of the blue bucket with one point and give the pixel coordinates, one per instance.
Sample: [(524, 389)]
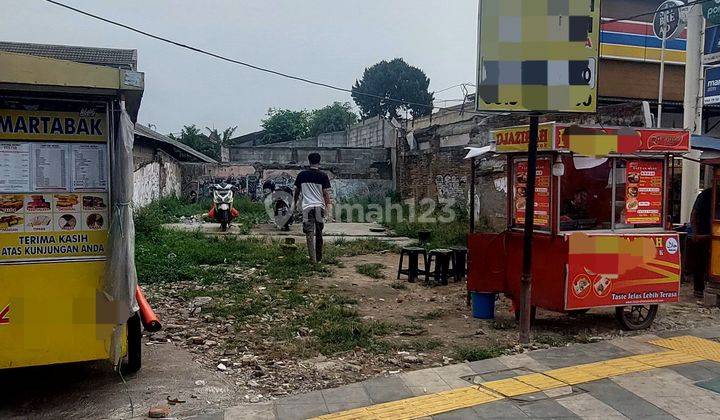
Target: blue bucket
[(483, 305)]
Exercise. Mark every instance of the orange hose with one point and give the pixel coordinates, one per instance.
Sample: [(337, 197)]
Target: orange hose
[(149, 319)]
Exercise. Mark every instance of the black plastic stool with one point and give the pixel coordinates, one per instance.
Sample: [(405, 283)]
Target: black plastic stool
[(413, 271), (441, 271), (459, 262)]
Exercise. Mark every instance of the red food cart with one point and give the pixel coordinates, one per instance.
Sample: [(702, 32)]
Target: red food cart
[(602, 233)]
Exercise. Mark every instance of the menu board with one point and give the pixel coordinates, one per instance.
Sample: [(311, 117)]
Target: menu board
[(89, 166), (53, 201), (50, 167), (542, 192), (14, 167), (644, 192)]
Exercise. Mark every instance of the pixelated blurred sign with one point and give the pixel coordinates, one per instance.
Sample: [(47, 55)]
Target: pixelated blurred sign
[(538, 55)]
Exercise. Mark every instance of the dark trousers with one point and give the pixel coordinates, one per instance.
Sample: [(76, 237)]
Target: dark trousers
[(697, 260), (313, 224)]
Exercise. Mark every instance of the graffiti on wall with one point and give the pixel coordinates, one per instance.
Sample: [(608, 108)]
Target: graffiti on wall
[(450, 186)]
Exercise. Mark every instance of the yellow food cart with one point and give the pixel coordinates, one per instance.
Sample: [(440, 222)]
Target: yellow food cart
[(60, 176)]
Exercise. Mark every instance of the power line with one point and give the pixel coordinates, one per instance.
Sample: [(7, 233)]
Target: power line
[(692, 3), (298, 78), (234, 61)]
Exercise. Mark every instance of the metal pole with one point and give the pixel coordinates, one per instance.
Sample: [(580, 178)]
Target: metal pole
[(472, 195), (662, 76), (693, 108), (526, 278)]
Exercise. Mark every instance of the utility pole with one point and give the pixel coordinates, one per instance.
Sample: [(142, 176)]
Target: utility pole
[(693, 107), (526, 277)]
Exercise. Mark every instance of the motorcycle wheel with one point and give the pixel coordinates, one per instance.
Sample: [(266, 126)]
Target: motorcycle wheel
[(223, 226)]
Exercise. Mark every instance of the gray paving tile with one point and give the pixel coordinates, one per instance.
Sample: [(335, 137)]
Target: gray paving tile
[(705, 332), (463, 414), (342, 406), (389, 389), (709, 365), (251, 412), (622, 400), (695, 372), (346, 394), (210, 416), (487, 366), (300, 411), (547, 409), (578, 354), (535, 396), (315, 397), (499, 410), (504, 374)]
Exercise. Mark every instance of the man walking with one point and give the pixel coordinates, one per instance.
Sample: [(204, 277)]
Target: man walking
[(314, 186)]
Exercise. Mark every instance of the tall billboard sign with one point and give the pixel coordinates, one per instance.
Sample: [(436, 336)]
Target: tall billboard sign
[(538, 55)]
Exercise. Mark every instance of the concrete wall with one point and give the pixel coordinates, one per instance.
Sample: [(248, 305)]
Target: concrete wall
[(156, 175)]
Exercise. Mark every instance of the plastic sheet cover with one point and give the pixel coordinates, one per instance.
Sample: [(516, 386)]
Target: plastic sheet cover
[(120, 279)]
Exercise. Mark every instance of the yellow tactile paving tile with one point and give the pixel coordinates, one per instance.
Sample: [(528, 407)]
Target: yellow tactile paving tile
[(510, 387), (667, 358), (541, 381), (683, 350), (574, 375), (423, 406), (697, 346)]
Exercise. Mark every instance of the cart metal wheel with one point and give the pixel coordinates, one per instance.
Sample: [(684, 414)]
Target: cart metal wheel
[(637, 317), (133, 359)]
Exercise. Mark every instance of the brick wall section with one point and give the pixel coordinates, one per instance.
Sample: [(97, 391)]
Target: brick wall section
[(438, 170)]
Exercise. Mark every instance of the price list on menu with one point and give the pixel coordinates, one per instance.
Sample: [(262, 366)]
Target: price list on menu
[(14, 167), (50, 167), (89, 167), (643, 192)]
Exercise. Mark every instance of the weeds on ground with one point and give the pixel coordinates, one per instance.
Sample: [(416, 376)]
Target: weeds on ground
[(434, 314), (474, 353), (399, 285), (372, 270), (278, 283)]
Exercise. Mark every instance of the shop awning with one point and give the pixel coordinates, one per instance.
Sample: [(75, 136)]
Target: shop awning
[(21, 72)]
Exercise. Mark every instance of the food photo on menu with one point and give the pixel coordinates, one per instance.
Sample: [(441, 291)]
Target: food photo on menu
[(38, 222), (94, 202), (95, 221), (67, 222), (38, 203), (11, 203), (66, 202), (11, 223)]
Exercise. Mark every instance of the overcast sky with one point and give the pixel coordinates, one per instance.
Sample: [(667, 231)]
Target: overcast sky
[(325, 40)]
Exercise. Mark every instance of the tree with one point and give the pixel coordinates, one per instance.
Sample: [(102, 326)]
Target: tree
[(207, 145), (393, 80), (285, 125), (221, 139), (335, 117)]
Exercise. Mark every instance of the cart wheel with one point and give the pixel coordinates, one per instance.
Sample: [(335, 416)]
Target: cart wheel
[(637, 317), (577, 312), (133, 360), (533, 313)]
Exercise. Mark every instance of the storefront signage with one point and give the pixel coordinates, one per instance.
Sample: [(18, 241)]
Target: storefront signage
[(644, 192), (666, 21), (712, 45), (620, 270), (54, 184), (711, 11), (85, 125), (712, 86), (542, 192), (516, 139), (539, 55)]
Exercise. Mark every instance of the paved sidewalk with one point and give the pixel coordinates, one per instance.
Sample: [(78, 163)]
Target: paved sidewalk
[(642, 377)]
